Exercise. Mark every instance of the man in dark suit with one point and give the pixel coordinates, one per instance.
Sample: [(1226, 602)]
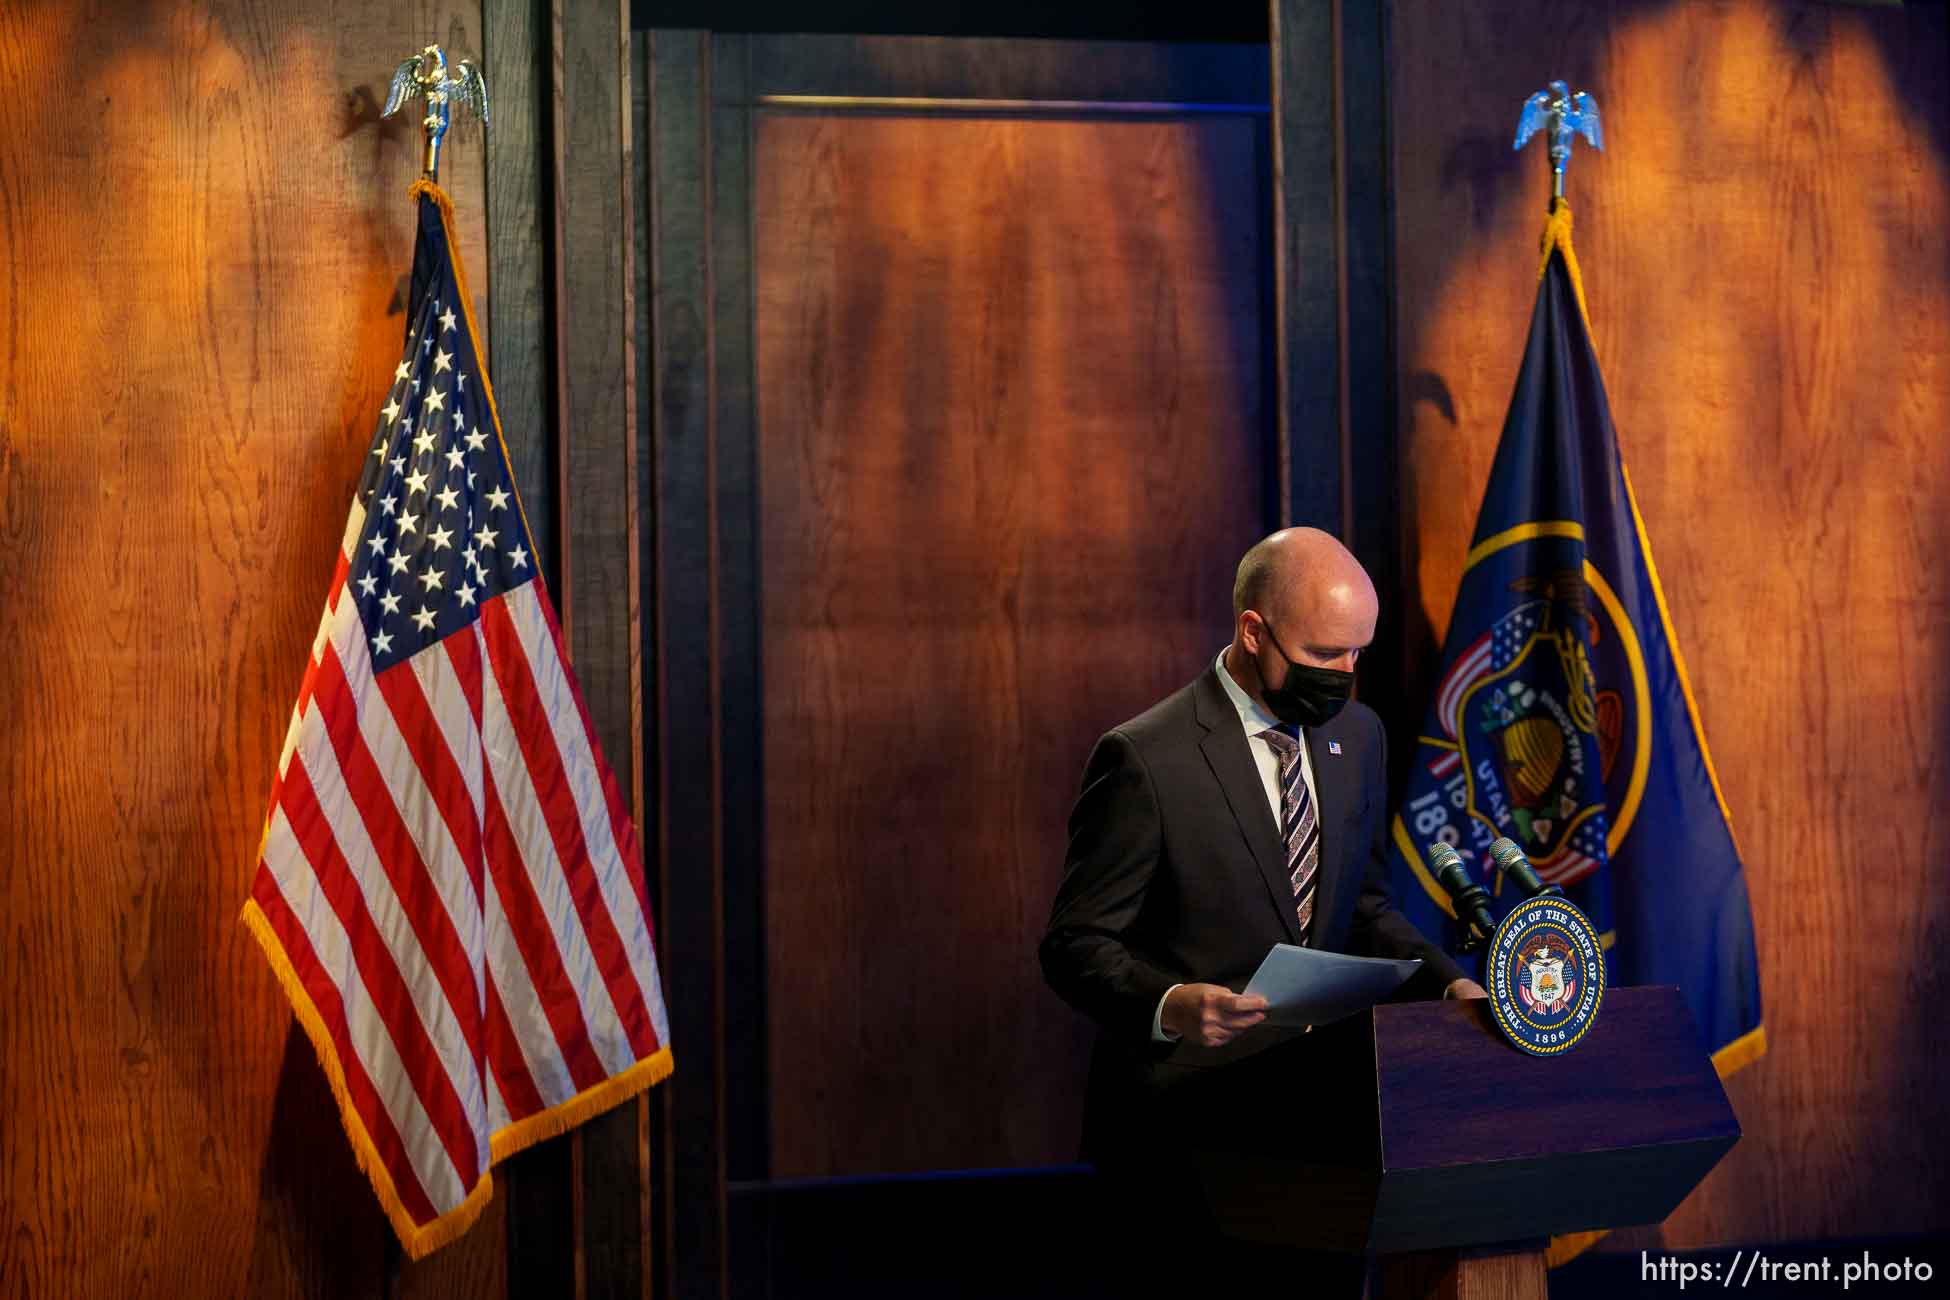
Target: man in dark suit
[(1245, 810)]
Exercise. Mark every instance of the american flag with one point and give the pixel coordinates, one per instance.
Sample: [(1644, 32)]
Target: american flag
[(449, 885), (1578, 856), (1488, 653)]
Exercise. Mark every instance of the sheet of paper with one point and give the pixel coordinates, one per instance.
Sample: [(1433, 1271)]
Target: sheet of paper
[(1304, 986)]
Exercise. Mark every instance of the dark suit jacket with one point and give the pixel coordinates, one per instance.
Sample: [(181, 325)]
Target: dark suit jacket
[(1175, 874)]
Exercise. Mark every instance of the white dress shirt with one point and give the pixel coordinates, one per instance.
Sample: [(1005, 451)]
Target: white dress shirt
[(1253, 719)]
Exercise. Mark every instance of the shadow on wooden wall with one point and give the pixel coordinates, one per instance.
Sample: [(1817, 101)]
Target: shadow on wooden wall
[(1763, 245)]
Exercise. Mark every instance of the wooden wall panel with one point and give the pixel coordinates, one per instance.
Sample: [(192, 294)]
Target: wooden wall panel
[(1309, 280), (517, 59), (683, 525), (601, 608), (203, 230), (1011, 444), (1763, 246)]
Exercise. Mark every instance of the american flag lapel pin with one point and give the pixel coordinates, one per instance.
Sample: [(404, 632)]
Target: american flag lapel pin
[(1333, 746)]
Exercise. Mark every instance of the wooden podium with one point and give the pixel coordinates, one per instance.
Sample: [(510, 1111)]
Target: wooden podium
[(1436, 1145)]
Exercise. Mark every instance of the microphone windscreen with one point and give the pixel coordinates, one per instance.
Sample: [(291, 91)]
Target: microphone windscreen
[(1517, 867), (1448, 866)]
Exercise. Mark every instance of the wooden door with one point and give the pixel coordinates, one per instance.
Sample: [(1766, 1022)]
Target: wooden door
[(1011, 440), (962, 403)]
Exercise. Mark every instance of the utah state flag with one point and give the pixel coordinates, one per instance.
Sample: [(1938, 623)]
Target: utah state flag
[(1562, 717)]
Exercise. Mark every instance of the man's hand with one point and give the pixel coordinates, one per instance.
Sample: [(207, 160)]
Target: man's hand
[(1465, 988), (1210, 1014)]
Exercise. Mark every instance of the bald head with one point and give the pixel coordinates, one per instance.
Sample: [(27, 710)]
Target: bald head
[(1313, 594), (1295, 569)]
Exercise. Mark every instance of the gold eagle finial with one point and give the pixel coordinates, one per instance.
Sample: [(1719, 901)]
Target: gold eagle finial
[(425, 74)]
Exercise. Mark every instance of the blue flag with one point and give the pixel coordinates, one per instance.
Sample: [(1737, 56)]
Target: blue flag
[(1562, 716)]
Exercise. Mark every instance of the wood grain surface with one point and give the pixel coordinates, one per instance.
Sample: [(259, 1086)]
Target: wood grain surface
[(683, 523), (1463, 1275), (1309, 285), (203, 235), (1763, 247), (1011, 445), (519, 176), (595, 329), (535, 1186)]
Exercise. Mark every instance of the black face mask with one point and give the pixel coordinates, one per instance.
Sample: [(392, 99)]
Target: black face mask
[(1309, 696)]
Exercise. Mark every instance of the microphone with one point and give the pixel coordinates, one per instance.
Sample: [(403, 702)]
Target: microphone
[(1472, 900), (1515, 865)]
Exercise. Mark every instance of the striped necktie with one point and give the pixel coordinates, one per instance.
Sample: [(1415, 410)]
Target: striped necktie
[(1298, 825)]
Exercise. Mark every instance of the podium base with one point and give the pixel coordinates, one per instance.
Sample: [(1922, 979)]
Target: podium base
[(1509, 1271)]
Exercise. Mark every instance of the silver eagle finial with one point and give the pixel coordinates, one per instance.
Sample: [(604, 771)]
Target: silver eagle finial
[(426, 74), (1567, 115)]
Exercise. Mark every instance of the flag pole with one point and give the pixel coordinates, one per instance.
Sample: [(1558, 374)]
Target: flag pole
[(425, 74), (1561, 115)]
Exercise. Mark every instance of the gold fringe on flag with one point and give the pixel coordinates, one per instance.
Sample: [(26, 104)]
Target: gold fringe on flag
[(421, 1240), (1557, 235)]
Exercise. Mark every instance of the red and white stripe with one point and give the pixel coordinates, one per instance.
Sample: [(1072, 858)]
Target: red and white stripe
[(450, 871), (1474, 662), (1564, 867)]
